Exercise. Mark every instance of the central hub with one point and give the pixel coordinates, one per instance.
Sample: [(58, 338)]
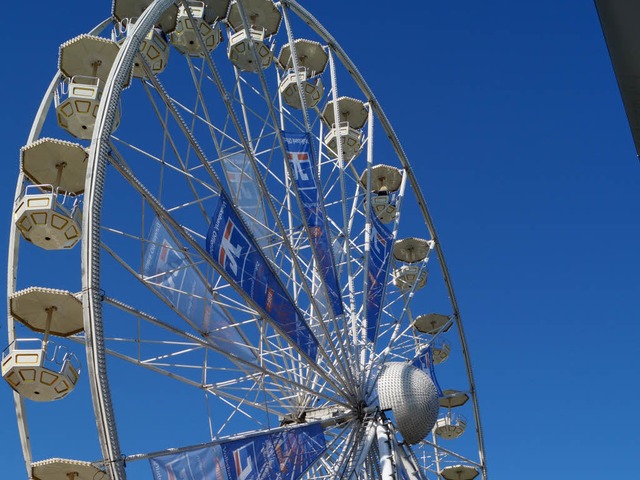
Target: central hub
[(412, 397)]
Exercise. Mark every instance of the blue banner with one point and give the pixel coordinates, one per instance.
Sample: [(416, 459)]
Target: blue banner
[(231, 246), (274, 456), (246, 196), (424, 361), (300, 159), (379, 257), (282, 455), (202, 464), (180, 282)]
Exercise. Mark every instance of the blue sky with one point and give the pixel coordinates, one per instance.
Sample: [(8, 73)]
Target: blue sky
[(511, 117)]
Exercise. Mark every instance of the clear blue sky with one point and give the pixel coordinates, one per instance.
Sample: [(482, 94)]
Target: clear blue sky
[(511, 117)]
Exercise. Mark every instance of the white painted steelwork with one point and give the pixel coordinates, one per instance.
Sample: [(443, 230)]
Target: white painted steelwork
[(207, 127)]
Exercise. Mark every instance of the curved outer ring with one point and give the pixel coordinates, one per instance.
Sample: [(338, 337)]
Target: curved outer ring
[(94, 187)]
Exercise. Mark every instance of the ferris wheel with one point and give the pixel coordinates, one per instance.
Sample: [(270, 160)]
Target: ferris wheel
[(222, 266)]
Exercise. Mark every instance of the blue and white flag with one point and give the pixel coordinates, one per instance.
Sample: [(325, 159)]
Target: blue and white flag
[(231, 246), (379, 258), (300, 159), (246, 196), (280, 455), (203, 463), (180, 282), (424, 361)]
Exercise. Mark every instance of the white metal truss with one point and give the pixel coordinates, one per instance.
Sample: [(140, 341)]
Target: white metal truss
[(168, 163)]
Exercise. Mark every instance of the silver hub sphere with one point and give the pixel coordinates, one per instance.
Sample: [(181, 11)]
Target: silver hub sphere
[(412, 397)]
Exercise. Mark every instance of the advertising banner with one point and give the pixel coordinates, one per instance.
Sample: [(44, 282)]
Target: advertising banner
[(281, 455), (181, 283), (301, 161), (230, 245), (246, 196), (202, 464), (379, 258), (274, 456)]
